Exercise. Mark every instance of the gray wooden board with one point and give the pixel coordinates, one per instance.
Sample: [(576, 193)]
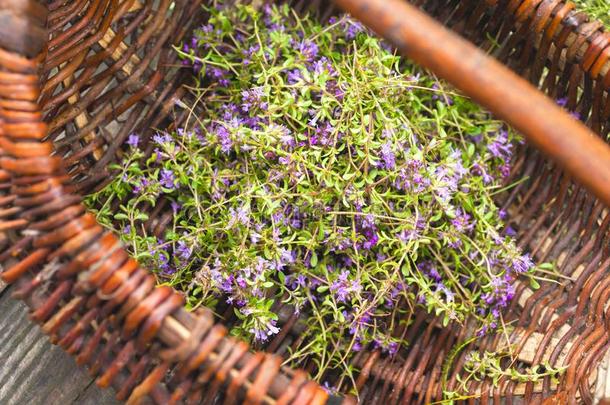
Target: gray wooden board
[(33, 371)]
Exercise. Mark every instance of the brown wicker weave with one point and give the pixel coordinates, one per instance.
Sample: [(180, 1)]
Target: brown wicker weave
[(105, 69)]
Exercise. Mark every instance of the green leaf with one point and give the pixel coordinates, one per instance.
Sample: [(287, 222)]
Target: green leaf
[(314, 259), (546, 266)]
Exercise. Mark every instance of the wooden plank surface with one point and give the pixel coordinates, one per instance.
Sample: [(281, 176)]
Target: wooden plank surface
[(33, 371)]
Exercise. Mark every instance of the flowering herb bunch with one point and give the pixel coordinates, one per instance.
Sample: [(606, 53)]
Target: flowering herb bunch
[(322, 171)]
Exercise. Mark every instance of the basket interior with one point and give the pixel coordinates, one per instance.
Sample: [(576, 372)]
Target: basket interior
[(123, 77)]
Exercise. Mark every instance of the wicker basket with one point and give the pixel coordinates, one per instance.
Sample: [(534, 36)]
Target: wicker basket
[(105, 69)]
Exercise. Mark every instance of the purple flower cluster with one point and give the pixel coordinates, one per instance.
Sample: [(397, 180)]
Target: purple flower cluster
[(463, 222), (184, 250), (412, 177), (351, 28), (409, 235), (220, 76), (253, 99), (343, 288), (167, 179), (141, 185), (501, 147), (388, 157), (305, 198), (224, 138), (240, 215), (368, 229), (499, 297), (263, 331), (133, 140), (322, 134), (309, 50)]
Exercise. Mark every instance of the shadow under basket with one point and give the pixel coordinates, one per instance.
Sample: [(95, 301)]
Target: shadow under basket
[(108, 69)]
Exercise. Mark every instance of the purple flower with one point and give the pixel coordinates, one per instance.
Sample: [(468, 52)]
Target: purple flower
[(562, 102), (205, 29), (442, 288), (353, 28), (183, 250), (309, 50), (224, 139), (341, 287), (501, 293), (323, 65), (287, 256), (239, 216), (167, 179), (462, 222), (440, 96), (164, 263), (505, 170), (133, 140), (144, 182), (479, 170), (293, 76), (457, 166), (392, 348), (421, 298), (430, 270), (322, 133), (162, 138), (334, 88), (368, 221), (408, 235), (501, 147), (287, 139), (264, 330), (371, 238), (227, 284), (576, 115), (248, 53), (329, 389), (220, 75), (293, 282), (388, 157), (252, 99), (522, 264), (241, 282)]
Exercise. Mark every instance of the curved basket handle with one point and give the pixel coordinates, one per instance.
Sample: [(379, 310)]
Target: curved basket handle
[(99, 302), (566, 140)]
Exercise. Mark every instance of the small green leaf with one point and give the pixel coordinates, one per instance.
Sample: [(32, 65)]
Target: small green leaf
[(314, 259)]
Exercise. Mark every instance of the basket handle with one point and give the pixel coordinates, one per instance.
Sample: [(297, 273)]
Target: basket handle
[(99, 301), (552, 130)]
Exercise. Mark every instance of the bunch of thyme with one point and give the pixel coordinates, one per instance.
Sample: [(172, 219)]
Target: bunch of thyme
[(324, 171)]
